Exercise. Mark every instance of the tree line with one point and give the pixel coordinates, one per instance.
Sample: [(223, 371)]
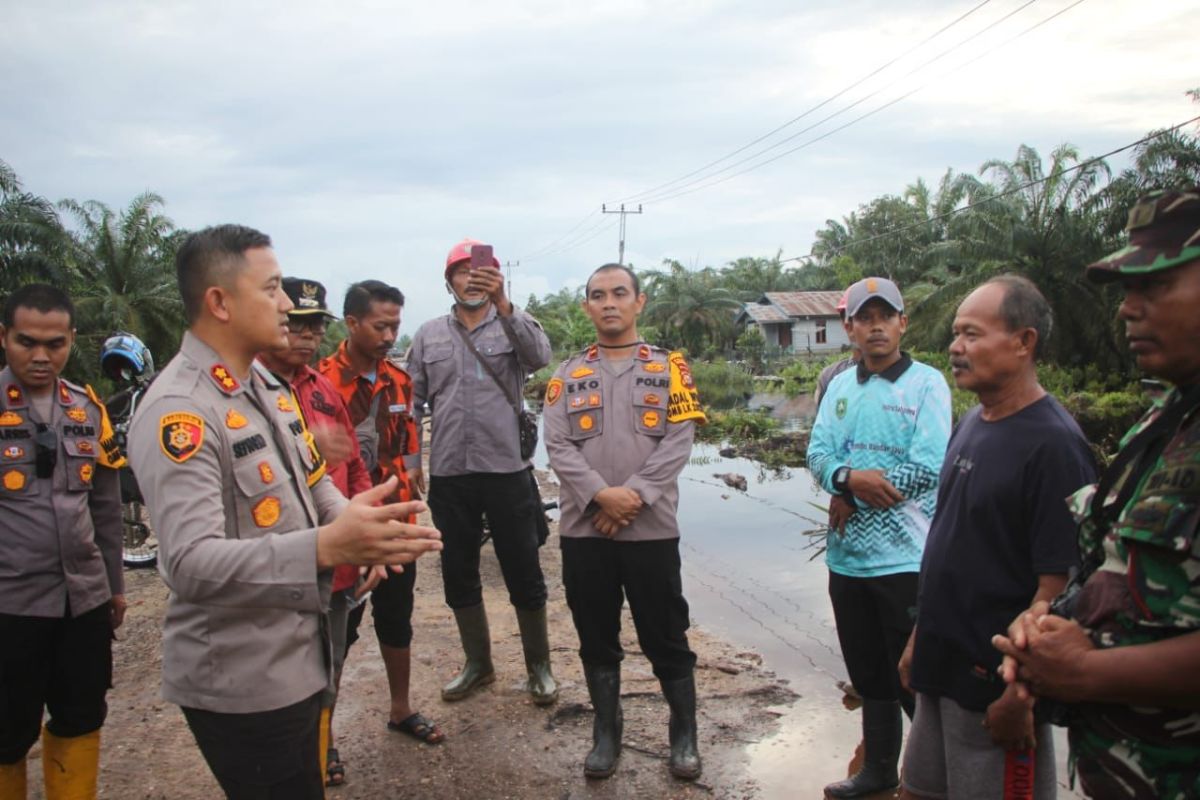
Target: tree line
[(1043, 218)]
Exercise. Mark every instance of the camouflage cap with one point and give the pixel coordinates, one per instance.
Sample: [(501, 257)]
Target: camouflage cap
[(1164, 232)]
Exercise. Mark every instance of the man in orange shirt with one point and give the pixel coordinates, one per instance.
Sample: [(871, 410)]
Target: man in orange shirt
[(378, 394)]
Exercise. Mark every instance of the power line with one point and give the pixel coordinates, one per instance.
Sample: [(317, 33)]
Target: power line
[(581, 239), (826, 101), (552, 244), (678, 191), (561, 244), (998, 195), (623, 212), (685, 191)]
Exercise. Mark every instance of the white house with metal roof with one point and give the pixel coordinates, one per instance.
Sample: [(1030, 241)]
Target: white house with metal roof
[(797, 322)]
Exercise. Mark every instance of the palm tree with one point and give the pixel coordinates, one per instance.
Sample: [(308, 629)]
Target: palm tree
[(32, 239), (126, 281), (690, 309)]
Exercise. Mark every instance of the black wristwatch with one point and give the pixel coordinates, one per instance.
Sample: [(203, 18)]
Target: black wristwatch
[(841, 480)]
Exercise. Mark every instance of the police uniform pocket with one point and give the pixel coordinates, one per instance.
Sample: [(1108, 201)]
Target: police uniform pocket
[(81, 464), (17, 478), (650, 411), (261, 482), (586, 421)]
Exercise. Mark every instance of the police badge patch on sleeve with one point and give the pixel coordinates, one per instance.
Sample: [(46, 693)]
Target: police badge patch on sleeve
[(180, 435)]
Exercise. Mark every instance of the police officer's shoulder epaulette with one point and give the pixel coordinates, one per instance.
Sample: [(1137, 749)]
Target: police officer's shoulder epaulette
[(272, 380), (74, 387)]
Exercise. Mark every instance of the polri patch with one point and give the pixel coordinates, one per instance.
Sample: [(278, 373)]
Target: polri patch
[(586, 423), (284, 404), (85, 446), (85, 472), (234, 419), (594, 399), (582, 372), (78, 414), (14, 452), (553, 391), (650, 419), (10, 418), (654, 366), (180, 435), (652, 399), (265, 472)]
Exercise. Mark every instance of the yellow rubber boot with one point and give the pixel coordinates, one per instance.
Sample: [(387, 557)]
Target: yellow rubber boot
[(70, 766), (12, 781), (323, 739)]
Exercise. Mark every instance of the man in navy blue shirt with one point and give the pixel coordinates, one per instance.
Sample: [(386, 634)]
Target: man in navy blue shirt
[(1001, 538)]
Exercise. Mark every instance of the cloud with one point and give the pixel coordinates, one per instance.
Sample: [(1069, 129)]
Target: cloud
[(367, 137)]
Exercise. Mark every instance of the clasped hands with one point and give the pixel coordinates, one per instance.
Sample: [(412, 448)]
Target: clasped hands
[(618, 505), (868, 485)]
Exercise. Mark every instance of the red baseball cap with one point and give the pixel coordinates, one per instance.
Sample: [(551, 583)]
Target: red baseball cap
[(462, 252)]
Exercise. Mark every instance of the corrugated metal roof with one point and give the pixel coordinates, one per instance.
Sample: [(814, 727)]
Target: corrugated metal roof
[(764, 314), (806, 304)]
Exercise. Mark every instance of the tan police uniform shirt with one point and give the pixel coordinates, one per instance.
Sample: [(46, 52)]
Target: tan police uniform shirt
[(474, 424), (236, 490), (60, 537), (621, 423)]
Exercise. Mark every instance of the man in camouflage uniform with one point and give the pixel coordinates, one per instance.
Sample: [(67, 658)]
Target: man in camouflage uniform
[(1123, 651)]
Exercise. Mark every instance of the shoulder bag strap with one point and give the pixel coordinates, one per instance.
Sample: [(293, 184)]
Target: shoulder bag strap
[(486, 366)]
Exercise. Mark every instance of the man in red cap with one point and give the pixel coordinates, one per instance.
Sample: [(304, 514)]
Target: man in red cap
[(470, 367), (838, 367)]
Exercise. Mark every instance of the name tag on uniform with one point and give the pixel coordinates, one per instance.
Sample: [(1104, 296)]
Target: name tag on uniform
[(397, 408)]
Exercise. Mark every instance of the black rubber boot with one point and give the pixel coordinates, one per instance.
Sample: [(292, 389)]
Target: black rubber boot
[(477, 645), (881, 752), (604, 687), (684, 762), (536, 642)]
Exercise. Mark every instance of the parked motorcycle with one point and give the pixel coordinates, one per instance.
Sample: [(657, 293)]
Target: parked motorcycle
[(128, 362)]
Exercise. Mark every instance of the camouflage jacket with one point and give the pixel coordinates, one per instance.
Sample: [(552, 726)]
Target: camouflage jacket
[(1145, 589)]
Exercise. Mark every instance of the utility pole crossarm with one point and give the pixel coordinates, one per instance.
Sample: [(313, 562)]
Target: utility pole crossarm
[(623, 212)]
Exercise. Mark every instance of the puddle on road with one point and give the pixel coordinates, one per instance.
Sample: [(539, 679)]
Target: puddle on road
[(750, 577)]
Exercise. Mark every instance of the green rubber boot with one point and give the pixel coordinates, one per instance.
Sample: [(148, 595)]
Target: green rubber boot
[(536, 642), (477, 645), (604, 688)]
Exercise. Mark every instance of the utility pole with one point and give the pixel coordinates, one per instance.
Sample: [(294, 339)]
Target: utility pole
[(622, 212), (509, 266)]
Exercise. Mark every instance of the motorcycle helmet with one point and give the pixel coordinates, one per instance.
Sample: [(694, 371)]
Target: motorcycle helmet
[(124, 357)]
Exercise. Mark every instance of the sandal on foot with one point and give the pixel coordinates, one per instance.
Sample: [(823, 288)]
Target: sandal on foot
[(418, 727), (335, 770)]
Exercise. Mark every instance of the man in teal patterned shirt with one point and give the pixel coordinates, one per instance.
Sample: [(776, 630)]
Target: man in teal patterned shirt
[(877, 446)]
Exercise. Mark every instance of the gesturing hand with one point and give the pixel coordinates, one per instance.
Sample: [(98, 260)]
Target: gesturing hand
[(334, 444), (366, 533)]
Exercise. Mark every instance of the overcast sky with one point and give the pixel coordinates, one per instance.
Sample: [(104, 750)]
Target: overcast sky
[(367, 137)]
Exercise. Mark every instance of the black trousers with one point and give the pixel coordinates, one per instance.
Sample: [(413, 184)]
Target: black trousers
[(61, 664), (391, 610), (458, 504), (599, 573), (265, 755), (874, 618)]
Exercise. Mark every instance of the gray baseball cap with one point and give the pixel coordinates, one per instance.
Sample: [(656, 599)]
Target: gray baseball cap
[(859, 293)]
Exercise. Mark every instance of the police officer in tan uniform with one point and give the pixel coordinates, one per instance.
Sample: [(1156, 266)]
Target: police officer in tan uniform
[(61, 584), (619, 421), (249, 526)]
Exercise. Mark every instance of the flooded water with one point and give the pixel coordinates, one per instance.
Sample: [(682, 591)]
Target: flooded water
[(753, 577)]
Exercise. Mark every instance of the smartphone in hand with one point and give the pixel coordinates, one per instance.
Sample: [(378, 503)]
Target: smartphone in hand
[(481, 256)]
